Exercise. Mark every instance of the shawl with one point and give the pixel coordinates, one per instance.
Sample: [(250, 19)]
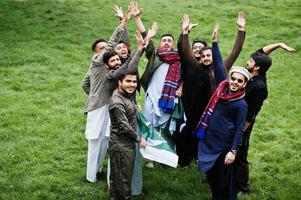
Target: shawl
[(221, 93), (172, 79)]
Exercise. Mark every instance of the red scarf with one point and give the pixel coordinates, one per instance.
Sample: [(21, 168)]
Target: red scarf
[(222, 92), (172, 79)]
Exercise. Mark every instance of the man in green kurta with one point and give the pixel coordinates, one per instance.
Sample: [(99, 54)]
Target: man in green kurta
[(123, 136)]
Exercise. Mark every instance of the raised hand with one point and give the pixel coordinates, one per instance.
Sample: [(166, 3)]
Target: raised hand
[(287, 48), (241, 21), (136, 11), (191, 26), (118, 12), (126, 17), (128, 13), (140, 41), (151, 33), (215, 31), (185, 23)]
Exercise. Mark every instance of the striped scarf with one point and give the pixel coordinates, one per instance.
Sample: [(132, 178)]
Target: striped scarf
[(172, 79), (222, 92)]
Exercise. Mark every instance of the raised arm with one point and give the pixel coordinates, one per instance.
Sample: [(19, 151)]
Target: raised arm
[(150, 34), (131, 63), (184, 47), (272, 47), (136, 12), (219, 72), (240, 38), (119, 32), (116, 36), (119, 14)]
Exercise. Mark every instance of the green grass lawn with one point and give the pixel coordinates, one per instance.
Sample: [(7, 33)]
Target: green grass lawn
[(45, 52)]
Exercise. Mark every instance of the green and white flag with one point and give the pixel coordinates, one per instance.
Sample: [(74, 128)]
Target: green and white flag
[(157, 148)]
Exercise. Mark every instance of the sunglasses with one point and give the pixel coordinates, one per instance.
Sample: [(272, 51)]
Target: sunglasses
[(237, 79)]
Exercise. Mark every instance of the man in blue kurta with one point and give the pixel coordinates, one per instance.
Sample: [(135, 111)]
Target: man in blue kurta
[(220, 130)]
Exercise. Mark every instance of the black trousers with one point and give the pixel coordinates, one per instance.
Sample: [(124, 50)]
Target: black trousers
[(186, 146), (221, 180), (122, 167), (241, 163)]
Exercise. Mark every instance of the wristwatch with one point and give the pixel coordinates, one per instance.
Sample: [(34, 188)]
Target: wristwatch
[(233, 151)]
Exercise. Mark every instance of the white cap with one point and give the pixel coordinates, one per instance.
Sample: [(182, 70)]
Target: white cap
[(241, 70)]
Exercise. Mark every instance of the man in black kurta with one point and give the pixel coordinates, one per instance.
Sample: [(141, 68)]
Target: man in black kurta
[(256, 93), (198, 83)]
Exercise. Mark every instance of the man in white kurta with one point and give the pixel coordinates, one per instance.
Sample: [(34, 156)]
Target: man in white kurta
[(98, 120)]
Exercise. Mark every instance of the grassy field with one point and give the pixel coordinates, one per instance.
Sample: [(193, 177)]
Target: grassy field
[(45, 52)]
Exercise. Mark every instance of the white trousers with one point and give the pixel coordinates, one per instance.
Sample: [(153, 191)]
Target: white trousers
[(97, 133), (97, 150)]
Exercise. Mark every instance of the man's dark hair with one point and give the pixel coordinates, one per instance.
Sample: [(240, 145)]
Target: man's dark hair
[(128, 72), (96, 42), (263, 61), (167, 34), (199, 41), (121, 41), (108, 55), (204, 49)]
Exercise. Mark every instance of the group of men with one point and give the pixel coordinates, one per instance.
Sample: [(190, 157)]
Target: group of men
[(190, 76)]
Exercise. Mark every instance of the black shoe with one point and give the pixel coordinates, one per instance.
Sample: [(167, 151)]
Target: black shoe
[(184, 166), (101, 175), (245, 189)]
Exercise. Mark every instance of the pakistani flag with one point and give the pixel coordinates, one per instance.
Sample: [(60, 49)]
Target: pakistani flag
[(157, 148)]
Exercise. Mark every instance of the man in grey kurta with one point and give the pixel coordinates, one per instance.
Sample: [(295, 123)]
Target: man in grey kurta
[(104, 71), (98, 123), (123, 136)]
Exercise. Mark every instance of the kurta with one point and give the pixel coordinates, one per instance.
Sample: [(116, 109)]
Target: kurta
[(97, 111), (152, 112), (122, 144), (123, 119), (256, 93), (103, 83), (152, 81), (86, 84), (197, 87), (224, 132)]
